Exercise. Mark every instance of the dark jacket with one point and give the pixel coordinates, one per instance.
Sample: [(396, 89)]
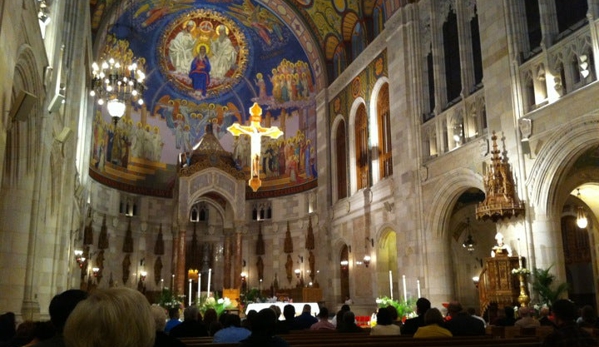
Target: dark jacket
[(189, 328), (463, 324), (411, 325)]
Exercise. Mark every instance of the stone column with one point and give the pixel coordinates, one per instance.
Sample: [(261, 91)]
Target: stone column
[(237, 265), (180, 273), (227, 264)]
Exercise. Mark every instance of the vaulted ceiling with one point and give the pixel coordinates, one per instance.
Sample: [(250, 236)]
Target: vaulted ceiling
[(277, 53)]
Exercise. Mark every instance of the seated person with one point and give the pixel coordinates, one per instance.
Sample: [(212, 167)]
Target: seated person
[(117, 317), (323, 321), (434, 326), (384, 324), (527, 320)]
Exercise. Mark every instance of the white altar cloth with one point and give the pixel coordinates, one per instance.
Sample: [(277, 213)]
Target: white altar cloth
[(299, 306)]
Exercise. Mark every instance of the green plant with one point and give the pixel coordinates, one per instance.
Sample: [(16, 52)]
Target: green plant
[(404, 309), (168, 299), (542, 284), (216, 303)]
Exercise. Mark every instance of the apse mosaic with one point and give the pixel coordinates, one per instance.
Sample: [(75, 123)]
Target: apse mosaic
[(207, 65)]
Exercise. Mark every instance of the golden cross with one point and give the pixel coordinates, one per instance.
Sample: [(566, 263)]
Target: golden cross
[(255, 131)]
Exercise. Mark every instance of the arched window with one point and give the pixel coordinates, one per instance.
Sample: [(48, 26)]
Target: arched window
[(341, 161), (452, 57), (385, 148), (361, 132)]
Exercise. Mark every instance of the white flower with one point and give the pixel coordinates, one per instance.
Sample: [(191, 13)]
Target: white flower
[(220, 301), (378, 301)]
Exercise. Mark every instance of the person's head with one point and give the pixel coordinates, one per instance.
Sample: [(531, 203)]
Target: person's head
[(564, 311), (159, 316), (63, 304), (422, 305), (525, 312), (210, 316), (433, 316), (114, 317), (588, 314), (232, 320), (383, 317), (454, 308), (43, 331), (190, 313), (277, 310), (289, 312), (8, 326), (349, 318), (264, 324), (307, 308), (324, 313), (499, 238), (25, 331), (345, 308), (173, 313), (202, 50), (393, 312)]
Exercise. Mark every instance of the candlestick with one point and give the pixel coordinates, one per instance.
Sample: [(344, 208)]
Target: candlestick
[(418, 287), (405, 295), (519, 254), (189, 292), (200, 288), (209, 276), (173, 283), (391, 284)]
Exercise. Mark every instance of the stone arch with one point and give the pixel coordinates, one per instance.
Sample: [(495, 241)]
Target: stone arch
[(211, 181), (452, 185), (386, 259), (353, 184), (338, 121), (373, 132), (23, 138), (555, 160)]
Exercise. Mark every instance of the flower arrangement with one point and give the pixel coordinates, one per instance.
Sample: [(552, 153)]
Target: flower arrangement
[(218, 304), (521, 271), (404, 308), (169, 300)]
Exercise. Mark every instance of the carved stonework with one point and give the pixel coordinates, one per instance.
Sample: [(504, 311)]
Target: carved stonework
[(310, 236), (159, 246), (260, 242), (157, 270), (126, 265), (128, 243), (103, 238), (501, 200), (288, 246)]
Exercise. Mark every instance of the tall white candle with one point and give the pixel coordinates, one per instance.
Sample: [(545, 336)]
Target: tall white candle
[(161, 284), (189, 293), (173, 283), (405, 295), (200, 288), (519, 254), (391, 284), (209, 276), (418, 287)]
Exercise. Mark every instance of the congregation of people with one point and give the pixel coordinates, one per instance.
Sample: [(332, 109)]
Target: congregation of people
[(118, 317)]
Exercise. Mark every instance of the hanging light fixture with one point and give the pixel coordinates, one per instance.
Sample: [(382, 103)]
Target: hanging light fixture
[(469, 242), (581, 216), (117, 79)]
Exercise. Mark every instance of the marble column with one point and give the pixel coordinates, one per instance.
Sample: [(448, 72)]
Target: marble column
[(227, 264), (237, 265), (180, 273)]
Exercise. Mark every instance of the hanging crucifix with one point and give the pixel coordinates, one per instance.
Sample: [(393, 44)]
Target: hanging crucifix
[(255, 131)]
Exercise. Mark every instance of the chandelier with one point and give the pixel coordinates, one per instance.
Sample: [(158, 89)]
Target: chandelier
[(469, 242), (581, 217), (118, 79), (117, 83)]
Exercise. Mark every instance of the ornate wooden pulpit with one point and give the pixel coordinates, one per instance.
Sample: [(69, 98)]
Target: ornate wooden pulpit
[(497, 284)]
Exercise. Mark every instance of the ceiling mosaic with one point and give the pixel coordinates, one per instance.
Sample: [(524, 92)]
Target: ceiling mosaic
[(207, 62)]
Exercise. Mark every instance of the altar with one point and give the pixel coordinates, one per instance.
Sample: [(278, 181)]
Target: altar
[(299, 306)]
